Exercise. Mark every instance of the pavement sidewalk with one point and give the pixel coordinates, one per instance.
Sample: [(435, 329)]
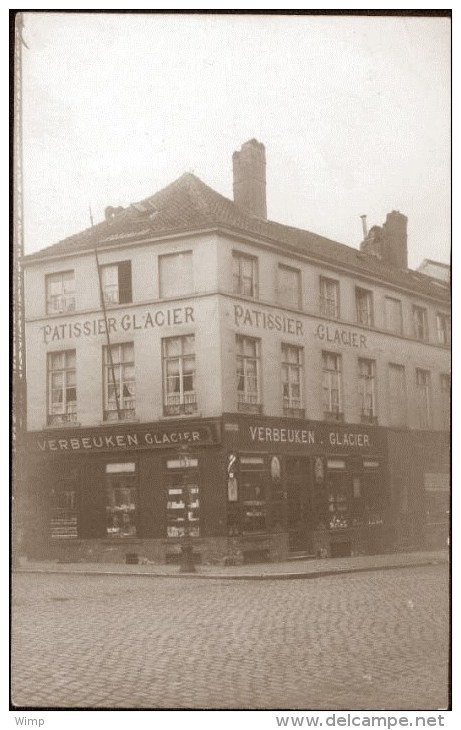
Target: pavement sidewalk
[(293, 569)]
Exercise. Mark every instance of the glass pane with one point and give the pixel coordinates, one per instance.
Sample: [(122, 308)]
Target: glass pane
[(71, 394), (250, 347), (189, 364), (56, 395), (56, 360), (128, 352), (247, 267), (188, 345), (173, 347), (68, 280), (173, 384), (189, 385), (110, 276), (57, 380), (172, 367), (115, 351), (128, 372)]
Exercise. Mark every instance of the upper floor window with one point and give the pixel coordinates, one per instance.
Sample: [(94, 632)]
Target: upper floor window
[(364, 305), (393, 314), (179, 394), (331, 385), (175, 274), (367, 390), (397, 396), (329, 297), (60, 292), (423, 397), (119, 382), (289, 286), (443, 329), (445, 389), (244, 274), (292, 380), (62, 388), (420, 323), (116, 283), (248, 373)]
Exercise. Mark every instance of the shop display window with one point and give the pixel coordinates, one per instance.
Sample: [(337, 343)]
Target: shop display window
[(183, 498), (121, 500)]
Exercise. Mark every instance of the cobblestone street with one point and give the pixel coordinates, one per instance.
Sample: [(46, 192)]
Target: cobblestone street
[(365, 641)]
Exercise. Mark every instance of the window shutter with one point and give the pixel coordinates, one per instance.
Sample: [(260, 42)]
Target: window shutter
[(124, 282)]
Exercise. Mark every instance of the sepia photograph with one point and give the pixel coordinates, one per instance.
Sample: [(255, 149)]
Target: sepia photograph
[(230, 297)]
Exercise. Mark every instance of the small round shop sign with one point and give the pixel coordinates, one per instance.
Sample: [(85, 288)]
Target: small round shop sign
[(275, 469), (319, 469)]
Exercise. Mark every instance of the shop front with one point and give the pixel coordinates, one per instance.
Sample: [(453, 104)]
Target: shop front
[(240, 489), (109, 493), (306, 487)]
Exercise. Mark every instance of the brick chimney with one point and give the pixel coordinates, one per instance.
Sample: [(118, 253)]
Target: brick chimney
[(249, 166), (389, 242), (395, 239)]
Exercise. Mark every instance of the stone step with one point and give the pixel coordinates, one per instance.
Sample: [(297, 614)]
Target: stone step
[(301, 555)]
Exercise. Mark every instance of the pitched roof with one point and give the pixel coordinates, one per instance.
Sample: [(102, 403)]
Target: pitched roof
[(188, 205)]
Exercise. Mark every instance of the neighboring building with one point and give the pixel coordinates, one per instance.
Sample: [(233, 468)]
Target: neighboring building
[(308, 381), (435, 269)]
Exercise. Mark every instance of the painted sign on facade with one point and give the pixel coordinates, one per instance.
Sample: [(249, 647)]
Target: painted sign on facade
[(154, 318)]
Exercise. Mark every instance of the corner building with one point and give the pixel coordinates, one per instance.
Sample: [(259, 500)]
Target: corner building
[(195, 369)]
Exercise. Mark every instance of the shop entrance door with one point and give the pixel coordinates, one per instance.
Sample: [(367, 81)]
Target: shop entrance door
[(297, 480)]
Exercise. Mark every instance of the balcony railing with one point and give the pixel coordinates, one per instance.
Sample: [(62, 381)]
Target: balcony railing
[(58, 419), (249, 402), (329, 308), (123, 414), (177, 405), (59, 303)]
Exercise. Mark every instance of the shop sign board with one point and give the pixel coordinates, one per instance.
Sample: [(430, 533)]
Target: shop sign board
[(113, 439), (306, 436)]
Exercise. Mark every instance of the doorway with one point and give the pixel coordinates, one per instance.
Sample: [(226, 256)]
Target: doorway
[(298, 488)]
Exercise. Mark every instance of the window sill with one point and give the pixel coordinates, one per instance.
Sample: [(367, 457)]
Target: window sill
[(250, 407), (373, 420), (333, 416), (56, 426), (294, 412), (118, 422), (182, 416)]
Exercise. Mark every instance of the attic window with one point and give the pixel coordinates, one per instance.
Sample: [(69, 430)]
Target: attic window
[(116, 283)]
